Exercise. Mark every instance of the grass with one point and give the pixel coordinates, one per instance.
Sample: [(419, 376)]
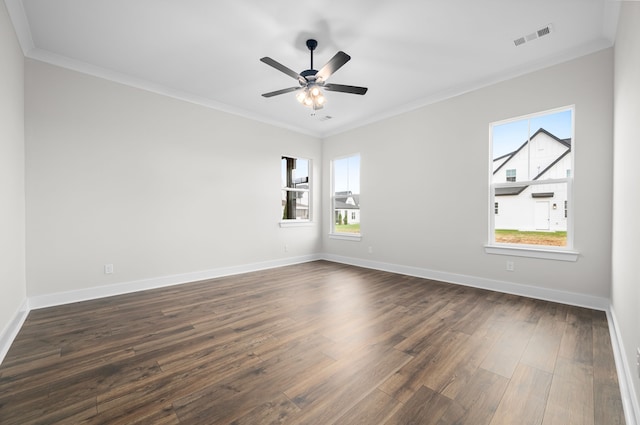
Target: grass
[(531, 238), (347, 228)]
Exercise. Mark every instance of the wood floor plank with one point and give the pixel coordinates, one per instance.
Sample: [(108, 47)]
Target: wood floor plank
[(504, 356), (376, 408), (571, 395), (542, 349), (312, 343), (577, 341), (425, 407), (325, 400), (477, 402), (607, 403), (275, 412), (525, 398), (407, 380)]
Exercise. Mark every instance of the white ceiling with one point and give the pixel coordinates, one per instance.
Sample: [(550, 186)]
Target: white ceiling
[(407, 52)]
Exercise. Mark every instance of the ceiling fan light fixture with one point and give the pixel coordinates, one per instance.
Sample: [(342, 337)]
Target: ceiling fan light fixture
[(308, 101), (311, 97), (301, 96)]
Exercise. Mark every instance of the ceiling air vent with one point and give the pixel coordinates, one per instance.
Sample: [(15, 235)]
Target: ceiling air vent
[(546, 30), (519, 41), (325, 118)]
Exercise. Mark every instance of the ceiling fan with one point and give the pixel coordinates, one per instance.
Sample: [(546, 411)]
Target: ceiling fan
[(312, 80)]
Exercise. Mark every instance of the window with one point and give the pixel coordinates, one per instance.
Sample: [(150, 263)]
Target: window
[(295, 188), (345, 196), (530, 177)]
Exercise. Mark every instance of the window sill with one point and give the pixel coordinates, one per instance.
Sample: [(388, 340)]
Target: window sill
[(345, 237), (296, 223), (530, 252)]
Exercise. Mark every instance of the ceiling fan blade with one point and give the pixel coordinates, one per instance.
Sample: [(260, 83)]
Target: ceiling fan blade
[(345, 89), (280, 67), (283, 91), (333, 65)]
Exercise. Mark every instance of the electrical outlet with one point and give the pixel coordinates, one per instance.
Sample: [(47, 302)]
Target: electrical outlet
[(108, 268), (510, 266), (370, 250), (286, 248)]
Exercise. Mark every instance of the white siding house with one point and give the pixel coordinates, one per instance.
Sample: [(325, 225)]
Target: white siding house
[(347, 204), (541, 207)]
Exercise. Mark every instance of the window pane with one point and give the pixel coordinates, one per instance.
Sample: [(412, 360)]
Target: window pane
[(508, 140), (295, 205), (535, 216), (295, 188), (551, 145), (346, 195), (535, 148), (295, 173)]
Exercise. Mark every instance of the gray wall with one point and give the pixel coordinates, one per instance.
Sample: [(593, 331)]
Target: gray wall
[(425, 177), (153, 185), (626, 189), (12, 198)]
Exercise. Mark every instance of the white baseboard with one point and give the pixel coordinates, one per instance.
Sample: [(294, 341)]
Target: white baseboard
[(11, 331), (60, 298), (625, 372), (563, 297)]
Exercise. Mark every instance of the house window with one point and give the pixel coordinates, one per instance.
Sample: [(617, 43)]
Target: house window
[(530, 175), (345, 196), (295, 188)]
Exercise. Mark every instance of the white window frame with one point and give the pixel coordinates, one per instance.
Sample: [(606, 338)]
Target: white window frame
[(332, 232), (566, 253), (298, 222)]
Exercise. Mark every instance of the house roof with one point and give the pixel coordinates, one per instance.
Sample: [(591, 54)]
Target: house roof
[(552, 164), (565, 142), (341, 199), (514, 190)]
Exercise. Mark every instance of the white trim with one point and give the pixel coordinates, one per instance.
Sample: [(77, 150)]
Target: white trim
[(11, 330), (345, 237), (625, 372), (532, 252), (547, 294), (60, 298), (297, 223), (20, 24)]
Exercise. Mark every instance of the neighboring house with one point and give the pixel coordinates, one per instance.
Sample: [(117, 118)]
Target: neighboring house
[(533, 207), (347, 204)]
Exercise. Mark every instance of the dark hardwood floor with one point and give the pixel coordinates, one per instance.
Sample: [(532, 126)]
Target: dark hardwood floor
[(315, 343)]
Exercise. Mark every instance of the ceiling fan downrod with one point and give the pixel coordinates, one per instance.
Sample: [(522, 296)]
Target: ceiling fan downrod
[(311, 45)]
